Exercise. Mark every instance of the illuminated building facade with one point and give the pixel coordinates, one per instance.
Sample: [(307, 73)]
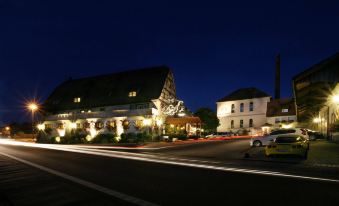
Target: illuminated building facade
[(131, 101), (312, 91)]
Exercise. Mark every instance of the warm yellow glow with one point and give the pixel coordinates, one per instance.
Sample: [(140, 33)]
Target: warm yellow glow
[(73, 125), (286, 126), (335, 99), (57, 139), (7, 128), (61, 132), (132, 94), (77, 100), (316, 120), (202, 130), (172, 125), (41, 127), (159, 122), (147, 122), (89, 138), (32, 106)]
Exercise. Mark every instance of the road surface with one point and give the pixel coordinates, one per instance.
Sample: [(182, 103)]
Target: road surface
[(41, 176)]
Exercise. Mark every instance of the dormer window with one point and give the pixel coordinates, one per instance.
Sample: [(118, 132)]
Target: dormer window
[(132, 94), (77, 100)]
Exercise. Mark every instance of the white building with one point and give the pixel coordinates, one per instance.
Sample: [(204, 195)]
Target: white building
[(243, 109), (131, 101)]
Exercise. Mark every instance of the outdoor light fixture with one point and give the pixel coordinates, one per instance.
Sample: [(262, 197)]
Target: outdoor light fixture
[(335, 99), (316, 120), (159, 122), (32, 106), (147, 122), (73, 125), (57, 139), (41, 127), (7, 128)]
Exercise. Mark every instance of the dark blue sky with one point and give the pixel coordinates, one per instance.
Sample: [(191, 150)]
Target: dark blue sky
[(213, 47)]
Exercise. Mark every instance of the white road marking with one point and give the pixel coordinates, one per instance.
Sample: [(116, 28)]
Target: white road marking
[(85, 183), (148, 158)]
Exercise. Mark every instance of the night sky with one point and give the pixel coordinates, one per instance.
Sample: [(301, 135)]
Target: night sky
[(213, 47)]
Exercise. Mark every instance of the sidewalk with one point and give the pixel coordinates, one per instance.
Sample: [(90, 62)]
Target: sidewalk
[(323, 153)]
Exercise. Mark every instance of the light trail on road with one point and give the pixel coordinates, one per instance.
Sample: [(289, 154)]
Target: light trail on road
[(163, 160)]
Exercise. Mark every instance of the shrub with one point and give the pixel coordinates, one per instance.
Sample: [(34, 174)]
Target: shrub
[(178, 136), (135, 137), (104, 138)]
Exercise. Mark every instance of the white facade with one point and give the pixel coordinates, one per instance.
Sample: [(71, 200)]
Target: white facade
[(231, 120)]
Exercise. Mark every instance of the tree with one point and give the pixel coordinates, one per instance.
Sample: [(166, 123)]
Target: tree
[(209, 119)]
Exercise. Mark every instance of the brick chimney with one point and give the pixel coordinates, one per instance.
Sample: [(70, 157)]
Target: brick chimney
[(277, 77)]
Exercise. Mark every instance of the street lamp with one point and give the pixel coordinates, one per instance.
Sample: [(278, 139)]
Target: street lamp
[(32, 107), (335, 99)]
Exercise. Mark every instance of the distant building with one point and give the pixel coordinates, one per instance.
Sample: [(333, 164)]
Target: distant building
[(312, 89), (130, 101), (243, 109)]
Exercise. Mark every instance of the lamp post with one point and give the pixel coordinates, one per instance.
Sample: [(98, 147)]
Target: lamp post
[(32, 107), (334, 100)]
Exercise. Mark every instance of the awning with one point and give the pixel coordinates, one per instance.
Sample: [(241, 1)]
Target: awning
[(183, 120)]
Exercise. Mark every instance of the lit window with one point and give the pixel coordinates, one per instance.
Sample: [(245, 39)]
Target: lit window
[(242, 107), (284, 110), (77, 100), (241, 123), (132, 94), (232, 108)]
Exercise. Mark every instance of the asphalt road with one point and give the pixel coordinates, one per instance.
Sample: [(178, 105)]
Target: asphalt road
[(151, 182)]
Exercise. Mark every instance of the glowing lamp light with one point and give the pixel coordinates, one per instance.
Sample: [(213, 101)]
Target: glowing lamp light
[(172, 125), (32, 106), (41, 127), (89, 138), (335, 99), (181, 114), (73, 125), (93, 132), (57, 139), (286, 126), (61, 132), (147, 122), (316, 120), (159, 122), (7, 128)]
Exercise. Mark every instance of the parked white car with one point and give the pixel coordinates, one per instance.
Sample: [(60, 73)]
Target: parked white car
[(263, 141)]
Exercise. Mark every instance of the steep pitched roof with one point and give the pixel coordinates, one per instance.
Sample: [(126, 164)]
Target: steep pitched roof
[(244, 93), (275, 107), (331, 62), (108, 90)]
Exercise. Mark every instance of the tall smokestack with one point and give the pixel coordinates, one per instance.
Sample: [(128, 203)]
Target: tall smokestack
[(277, 77)]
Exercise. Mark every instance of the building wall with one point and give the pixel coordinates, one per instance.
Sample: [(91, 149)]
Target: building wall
[(327, 114), (226, 116), (282, 121)]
